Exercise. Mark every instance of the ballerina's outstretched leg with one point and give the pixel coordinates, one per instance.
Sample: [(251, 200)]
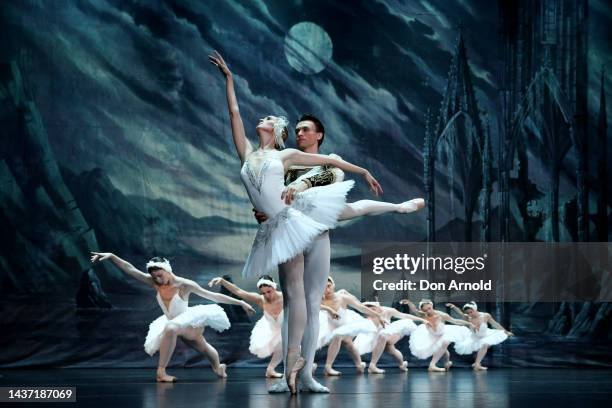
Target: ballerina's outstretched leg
[(371, 207)]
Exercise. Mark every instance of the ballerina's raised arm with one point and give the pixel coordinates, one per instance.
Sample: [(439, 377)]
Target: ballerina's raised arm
[(243, 145)]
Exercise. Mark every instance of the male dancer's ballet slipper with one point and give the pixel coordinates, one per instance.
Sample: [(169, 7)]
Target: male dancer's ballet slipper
[(295, 370)]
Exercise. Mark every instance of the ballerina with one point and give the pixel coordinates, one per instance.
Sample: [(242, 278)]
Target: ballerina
[(290, 229), (481, 337), (385, 338), (179, 319), (433, 340), (265, 340), (340, 325)]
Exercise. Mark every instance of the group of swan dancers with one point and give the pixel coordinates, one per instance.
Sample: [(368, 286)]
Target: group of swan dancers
[(298, 195)]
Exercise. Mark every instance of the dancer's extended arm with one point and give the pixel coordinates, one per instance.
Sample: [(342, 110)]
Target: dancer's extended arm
[(458, 311), (193, 287), (449, 319), (331, 311), (125, 266), (243, 146), (241, 293), (295, 157), (399, 315), (489, 319), (413, 309), (352, 301)]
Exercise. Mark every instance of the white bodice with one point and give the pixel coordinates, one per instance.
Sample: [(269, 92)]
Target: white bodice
[(176, 306), (263, 179)]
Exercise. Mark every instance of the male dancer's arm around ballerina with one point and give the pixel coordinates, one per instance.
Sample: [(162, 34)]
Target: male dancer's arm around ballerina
[(179, 320), (265, 337)]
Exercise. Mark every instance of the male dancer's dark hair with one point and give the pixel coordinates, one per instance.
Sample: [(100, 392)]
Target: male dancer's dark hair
[(318, 124)]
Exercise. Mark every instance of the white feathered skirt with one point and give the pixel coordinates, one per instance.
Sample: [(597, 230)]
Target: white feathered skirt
[(198, 317)]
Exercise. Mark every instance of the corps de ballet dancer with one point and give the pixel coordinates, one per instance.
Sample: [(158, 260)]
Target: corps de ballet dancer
[(179, 319), (290, 228), (339, 325), (265, 340), (433, 340), (385, 338), (481, 337)]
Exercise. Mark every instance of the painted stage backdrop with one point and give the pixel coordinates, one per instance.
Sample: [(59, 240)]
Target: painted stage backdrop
[(116, 137)]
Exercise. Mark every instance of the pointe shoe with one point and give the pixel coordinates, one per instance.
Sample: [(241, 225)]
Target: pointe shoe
[(331, 372), (436, 369), (299, 364), (361, 368), (404, 366), (448, 365), (165, 378), (375, 370), (221, 371), (411, 205)]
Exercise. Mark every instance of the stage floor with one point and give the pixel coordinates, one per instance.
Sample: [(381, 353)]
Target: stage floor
[(246, 387)]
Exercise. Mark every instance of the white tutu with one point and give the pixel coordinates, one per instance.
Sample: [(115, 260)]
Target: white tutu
[(483, 337), (424, 342), (266, 335), (365, 342), (289, 230), (349, 324), (195, 317), (403, 327)]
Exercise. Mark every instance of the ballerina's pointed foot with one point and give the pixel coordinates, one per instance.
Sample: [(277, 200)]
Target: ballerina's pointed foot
[(361, 368), (448, 365), (478, 367), (372, 369), (404, 366), (220, 371), (278, 387), (411, 206), (330, 371), (299, 364), (273, 374), (310, 385), (162, 376), (436, 369)]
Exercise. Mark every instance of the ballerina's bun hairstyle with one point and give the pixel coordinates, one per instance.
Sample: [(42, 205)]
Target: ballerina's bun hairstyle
[(281, 132), (329, 279), (266, 280), (318, 124), (470, 305), (424, 302), (158, 262)]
